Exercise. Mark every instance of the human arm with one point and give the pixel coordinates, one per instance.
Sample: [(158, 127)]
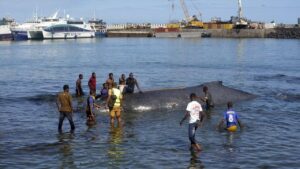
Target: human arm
[(137, 85), (184, 118), (201, 117), (240, 123), (58, 103), (220, 124), (108, 98), (70, 102)]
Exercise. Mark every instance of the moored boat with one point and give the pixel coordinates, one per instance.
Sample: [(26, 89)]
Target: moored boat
[(5, 32), (99, 27), (71, 30)]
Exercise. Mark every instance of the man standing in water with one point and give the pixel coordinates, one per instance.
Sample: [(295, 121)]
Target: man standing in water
[(209, 104), (196, 116), (92, 82), (90, 108), (131, 82), (110, 81), (64, 105), (122, 83), (231, 118), (79, 91), (113, 102)]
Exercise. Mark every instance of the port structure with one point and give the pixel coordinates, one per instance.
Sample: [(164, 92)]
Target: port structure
[(189, 21)]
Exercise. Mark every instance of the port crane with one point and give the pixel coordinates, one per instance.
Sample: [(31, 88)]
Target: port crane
[(191, 22), (240, 22)]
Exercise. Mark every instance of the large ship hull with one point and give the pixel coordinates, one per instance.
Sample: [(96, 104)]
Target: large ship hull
[(35, 35), (20, 35), (68, 35), (5, 33)]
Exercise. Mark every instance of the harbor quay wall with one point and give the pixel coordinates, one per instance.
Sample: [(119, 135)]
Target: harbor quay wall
[(240, 33), (280, 33)]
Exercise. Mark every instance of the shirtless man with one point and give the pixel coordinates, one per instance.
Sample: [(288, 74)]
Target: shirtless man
[(110, 81), (79, 91)]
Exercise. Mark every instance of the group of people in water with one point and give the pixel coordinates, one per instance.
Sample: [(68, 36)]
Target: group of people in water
[(112, 94), (196, 115)]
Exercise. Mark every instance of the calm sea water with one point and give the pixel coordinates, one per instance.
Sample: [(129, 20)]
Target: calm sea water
[(32, 72)]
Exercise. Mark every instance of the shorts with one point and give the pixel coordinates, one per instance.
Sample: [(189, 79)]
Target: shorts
[(232, 128), (115, 112)]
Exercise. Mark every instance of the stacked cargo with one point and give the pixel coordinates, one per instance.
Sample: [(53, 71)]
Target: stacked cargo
[(212, 25)]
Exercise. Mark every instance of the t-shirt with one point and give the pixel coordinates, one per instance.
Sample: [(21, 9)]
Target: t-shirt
[(117, 93), (231, 118), (194, 108), (92, 83), (65, 100), (90, 104)]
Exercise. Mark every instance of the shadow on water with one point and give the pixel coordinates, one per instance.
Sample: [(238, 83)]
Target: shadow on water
[(115, 151)]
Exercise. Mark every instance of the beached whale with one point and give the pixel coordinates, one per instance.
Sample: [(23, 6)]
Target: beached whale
[(178, 98)]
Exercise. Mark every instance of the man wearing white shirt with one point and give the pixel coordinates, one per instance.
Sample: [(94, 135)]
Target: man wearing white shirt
[(195, 113)]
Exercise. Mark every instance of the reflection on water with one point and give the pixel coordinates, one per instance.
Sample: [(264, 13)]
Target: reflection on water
[(115, 151), (66, 150), (195, 162), (229, 142)]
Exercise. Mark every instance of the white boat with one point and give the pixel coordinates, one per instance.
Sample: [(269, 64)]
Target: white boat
[(70, 30), (19, 31), (36, 32), (99, 27), (5, 32)]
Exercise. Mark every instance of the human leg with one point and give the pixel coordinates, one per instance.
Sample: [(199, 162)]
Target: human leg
[(61, 120), (192, 133), (112, 116), (118, 115), (70, 118)]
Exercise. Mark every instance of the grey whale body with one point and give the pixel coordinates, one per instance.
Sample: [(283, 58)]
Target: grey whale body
[(178, 98)]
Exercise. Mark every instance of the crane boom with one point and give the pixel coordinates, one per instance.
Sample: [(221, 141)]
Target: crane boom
[(185, 10), (240, 12)]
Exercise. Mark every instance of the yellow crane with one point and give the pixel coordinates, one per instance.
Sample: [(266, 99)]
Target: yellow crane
[(190, 22)]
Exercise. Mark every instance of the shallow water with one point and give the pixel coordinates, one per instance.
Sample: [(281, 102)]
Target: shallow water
[(32, 72)]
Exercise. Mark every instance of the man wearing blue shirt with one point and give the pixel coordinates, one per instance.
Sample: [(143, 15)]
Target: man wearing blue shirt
[(231, 118)]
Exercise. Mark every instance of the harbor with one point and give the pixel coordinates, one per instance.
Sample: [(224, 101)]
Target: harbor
[(236, 64), (66, 27)]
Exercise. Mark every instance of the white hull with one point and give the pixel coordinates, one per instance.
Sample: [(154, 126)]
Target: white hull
[(68, 35)]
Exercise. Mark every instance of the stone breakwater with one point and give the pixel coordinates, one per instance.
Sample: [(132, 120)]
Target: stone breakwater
[(285, 33)]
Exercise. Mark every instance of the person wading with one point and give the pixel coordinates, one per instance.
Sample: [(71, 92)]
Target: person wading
[(196, 116), (114, 103), (131, 82), (64, 105)]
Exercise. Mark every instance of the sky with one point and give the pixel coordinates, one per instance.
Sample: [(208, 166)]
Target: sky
[(152, 11)]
